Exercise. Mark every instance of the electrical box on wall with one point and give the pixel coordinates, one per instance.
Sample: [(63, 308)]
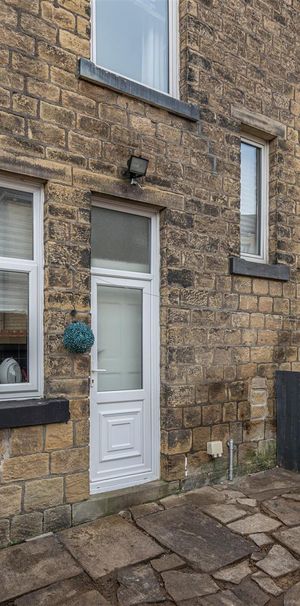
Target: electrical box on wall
[(215, 449)]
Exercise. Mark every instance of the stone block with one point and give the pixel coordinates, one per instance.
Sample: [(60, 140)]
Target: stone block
[(77, 487), (26, 440), (4, 533), (10, 500), (59, 436), (57, 518), (40, 494), (69, 461), (25, 468), (26, 526)]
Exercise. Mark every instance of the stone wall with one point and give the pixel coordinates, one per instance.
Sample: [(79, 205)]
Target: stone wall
[(222, 336)]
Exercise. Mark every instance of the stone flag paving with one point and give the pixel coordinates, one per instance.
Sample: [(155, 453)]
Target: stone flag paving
[(227, 545)]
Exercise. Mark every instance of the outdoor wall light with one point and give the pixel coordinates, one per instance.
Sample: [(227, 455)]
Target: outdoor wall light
[(136, 168)]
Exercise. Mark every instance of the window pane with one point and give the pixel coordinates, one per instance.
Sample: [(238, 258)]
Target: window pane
[(14, 290), (119, 338), (16, 220), (132, 40), (120, 240), (250, 199)]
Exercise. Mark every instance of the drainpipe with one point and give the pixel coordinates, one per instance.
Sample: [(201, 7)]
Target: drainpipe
[(230, 445)]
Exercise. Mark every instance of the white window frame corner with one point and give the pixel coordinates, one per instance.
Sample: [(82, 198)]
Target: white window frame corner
[(35, 270), (173, 59), (263, 144)]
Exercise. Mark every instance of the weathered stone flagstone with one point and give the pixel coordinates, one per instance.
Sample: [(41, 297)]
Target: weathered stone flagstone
[(292, 597), (265, 485), (290, 537), (247, 502), (267, 584), (225, 513), (261, 539), (223, 598), (187, 585), (278, 562), (139, 511), (77, 591), (107, 544), (294, 496), (287, 511), (168, 561), (33, 565), (205, 496), (233, 574), (249, 593), (254, 523), (196, 537), (139, 584)]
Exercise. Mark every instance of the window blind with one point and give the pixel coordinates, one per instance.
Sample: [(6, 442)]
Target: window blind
[(16, 224)]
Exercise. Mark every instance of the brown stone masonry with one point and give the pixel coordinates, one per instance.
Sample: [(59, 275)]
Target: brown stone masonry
[(222, 336)]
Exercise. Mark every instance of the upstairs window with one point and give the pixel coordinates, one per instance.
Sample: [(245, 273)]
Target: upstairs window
[(254, 199), (137, 39), (20, 290)]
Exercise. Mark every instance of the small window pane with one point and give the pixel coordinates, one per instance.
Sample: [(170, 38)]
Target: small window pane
[(14, 293), (119, 339), (16, 221), (250, 199), (132, 40), (120, 240)]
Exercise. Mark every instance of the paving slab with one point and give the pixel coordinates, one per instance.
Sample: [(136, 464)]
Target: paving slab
[(288, 511), (249, 593), (139, 584), (247, 502), (139, 511), (108, 544), (261, 539), (169, 561), (290, 537), (254, 523), (233, 574), (294, 496), (292, 596), (196, 537), (205, 496), (223, 598), (266, 484), (188, 585), (77, 591), (267, 584), (32, 565), (278, 562), (225, 513)]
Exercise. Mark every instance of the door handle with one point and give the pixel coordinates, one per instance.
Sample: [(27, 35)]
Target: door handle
[(98, 370)]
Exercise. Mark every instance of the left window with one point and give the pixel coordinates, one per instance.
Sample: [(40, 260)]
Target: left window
[(20, 290), (137, 39)]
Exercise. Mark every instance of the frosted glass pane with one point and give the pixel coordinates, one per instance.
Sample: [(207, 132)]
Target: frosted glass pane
[(132, 40), (119, 338), (16, 220), (14, 294), (250, 198), (120, 240)]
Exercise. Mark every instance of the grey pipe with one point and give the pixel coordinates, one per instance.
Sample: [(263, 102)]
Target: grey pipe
[(230, 445)]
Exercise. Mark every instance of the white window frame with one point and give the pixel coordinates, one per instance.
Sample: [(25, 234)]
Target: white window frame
[(173, 13), (264, 209), (34, 268)]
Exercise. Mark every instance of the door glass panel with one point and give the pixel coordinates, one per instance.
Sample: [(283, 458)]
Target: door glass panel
[(119, 338), (16, 220), (140, 28), (14, 292), (120, 240), (250, 199)]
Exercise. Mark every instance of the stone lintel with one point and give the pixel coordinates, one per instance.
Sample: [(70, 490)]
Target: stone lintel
[(258, 124)]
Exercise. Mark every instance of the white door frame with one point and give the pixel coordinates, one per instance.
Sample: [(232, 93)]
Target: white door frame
[(150, 283)]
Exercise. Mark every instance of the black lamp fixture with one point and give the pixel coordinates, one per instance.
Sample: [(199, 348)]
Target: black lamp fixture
[(136, 168)]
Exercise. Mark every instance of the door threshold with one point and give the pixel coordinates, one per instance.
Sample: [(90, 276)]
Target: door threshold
[(108, 503)]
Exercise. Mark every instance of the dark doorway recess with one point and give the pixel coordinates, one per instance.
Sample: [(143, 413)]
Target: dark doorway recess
[(288, 419)]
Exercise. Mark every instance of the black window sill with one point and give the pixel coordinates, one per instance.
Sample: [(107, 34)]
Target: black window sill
[(90, 72), (22, 413), (242, 267)]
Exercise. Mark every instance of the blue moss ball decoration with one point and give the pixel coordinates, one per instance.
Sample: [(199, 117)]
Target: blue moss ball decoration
[(78, 337)]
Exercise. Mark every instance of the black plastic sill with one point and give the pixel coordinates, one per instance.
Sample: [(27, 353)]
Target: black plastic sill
[(22, 413), (90, 72), (242, 267)]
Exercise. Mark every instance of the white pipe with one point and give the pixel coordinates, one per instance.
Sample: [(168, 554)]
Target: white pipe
[(230, 445)]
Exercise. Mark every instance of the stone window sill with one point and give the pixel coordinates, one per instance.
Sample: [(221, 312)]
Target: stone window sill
[(242, 267), (90, 72), (22, 413)]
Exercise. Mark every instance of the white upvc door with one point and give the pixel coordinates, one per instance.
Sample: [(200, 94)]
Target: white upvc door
[(124, 416)]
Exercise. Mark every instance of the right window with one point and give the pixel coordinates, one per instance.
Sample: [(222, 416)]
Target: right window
[(254, 199)]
